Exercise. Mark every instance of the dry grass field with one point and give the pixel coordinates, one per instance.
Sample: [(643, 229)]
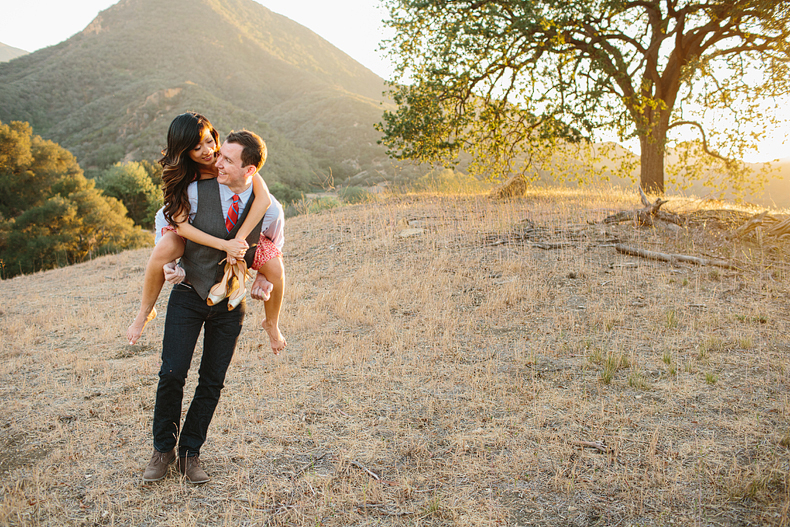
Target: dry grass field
[(451, 361)]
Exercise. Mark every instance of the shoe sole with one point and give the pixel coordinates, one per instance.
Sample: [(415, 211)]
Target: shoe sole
[(149, 480), (184, 476)]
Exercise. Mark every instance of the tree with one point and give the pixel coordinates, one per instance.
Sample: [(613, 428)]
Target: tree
[(50, 214), (154, 171), (131, 184), (68, 229), (502, 78), (29, 167)]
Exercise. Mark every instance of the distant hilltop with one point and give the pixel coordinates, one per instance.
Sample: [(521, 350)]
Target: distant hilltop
[(9, 52), (109, 92)]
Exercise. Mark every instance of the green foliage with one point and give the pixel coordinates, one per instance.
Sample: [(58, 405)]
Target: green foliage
[(52, 214), (284, 194), (131, 184), (107, 155), (510, 82), (29, 167), (310, 206), (154, 171), (613, 362), (354, 195)]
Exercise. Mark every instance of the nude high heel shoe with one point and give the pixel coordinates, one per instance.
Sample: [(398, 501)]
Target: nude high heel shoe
[(238, 294), (220, 290)]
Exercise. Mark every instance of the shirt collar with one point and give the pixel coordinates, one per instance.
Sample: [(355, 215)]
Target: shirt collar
[(227, 194)]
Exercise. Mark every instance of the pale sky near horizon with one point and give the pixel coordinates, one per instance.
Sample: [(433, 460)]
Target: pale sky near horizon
[(34, 24)]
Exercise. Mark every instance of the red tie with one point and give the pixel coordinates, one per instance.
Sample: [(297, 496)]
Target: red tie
[(233, 213)]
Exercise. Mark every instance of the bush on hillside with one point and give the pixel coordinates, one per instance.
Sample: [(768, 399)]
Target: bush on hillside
[(310, 206), (354, 195), (284, 194), (154, 171), (131, 184), (50, 214)]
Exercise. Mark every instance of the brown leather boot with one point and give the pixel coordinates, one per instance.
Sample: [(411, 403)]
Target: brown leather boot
[(190, 467), (157, 467)]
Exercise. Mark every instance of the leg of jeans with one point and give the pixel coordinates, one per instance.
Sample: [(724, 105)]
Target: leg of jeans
[(221, 332), (186, 313)]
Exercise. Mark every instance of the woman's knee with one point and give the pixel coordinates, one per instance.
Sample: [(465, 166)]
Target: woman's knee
[(170, 247), (273, 269)]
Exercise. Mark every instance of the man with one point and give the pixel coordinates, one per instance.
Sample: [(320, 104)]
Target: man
[(212, 201)]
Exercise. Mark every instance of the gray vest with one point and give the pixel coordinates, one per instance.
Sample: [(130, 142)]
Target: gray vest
[(201, 263)]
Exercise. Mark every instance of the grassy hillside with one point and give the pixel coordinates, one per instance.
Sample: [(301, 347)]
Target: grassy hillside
[(601, 160), (9, 52), (443, 368), (109, 92)]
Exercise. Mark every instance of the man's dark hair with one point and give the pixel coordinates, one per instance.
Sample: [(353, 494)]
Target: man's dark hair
[(254, 148)]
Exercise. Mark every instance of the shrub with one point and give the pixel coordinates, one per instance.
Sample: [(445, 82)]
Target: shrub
[(131, 184), (284, 194), (355, 195)]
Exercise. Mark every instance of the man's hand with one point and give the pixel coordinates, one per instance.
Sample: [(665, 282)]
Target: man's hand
[(173, 273), (261, 287)]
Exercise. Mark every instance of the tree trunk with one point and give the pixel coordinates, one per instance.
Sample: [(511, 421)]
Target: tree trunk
[(651, 177)]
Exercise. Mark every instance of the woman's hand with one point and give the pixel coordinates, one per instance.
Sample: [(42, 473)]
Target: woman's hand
[(235, 248)]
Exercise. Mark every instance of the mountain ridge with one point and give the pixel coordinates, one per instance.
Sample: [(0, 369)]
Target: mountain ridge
[(122, 79), (10, 52)]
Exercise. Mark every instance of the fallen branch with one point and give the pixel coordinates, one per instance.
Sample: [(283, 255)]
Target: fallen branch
[(664, 257), (780, 229), (620, 217), (772, 225), (592, 444), (754, 222), (362, 467), (646, 215), (383, 509), (552, 245)]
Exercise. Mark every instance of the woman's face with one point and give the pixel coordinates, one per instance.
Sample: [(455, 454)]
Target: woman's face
[(205, 151)]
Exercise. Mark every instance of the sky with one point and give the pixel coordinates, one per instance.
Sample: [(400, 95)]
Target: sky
[(34, 24)]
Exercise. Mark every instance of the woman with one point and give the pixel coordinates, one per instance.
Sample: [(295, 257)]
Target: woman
[(191, 153)]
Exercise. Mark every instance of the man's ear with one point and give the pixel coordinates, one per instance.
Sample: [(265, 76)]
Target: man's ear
[(250, 171)]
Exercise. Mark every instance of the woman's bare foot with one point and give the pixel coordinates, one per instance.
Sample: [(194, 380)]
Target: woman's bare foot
[(275, 337), (137, 327)]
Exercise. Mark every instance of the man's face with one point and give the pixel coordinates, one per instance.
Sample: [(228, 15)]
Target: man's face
[(231, 173)]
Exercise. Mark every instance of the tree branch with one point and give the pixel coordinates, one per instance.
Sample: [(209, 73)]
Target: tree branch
[(704, 139)]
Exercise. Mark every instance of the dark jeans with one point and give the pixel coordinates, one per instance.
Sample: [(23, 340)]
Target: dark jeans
[(187, 313)]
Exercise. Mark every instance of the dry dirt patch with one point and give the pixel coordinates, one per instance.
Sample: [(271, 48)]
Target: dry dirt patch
[(502, 366)]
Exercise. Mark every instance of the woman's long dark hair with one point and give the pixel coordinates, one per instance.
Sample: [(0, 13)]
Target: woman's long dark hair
[(185, 132)]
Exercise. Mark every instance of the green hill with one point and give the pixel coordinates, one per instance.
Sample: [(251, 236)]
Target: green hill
[(109, 92)]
